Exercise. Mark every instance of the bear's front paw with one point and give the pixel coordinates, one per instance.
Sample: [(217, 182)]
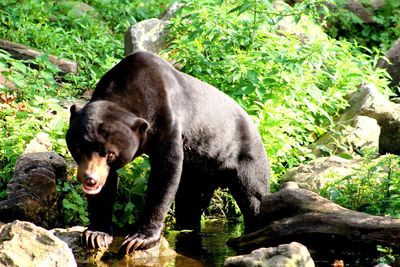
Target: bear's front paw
[(138, 241), (96, 239)]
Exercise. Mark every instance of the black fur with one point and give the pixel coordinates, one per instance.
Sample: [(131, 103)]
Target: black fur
[(196, 137)]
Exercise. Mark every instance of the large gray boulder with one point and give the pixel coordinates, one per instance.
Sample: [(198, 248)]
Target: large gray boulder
[(148, 35), (371, 120), (151, 34), (22, 244), (369, 102), (315, 174), (287, 255)]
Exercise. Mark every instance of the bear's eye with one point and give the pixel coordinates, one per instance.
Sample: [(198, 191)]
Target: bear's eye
[(110, 156)]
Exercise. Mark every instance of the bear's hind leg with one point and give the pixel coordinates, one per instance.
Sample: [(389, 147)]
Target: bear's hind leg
[(248, 188), (190, 201)]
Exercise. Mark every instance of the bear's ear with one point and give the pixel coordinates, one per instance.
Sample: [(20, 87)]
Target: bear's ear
[(74, 110), (140, 125)]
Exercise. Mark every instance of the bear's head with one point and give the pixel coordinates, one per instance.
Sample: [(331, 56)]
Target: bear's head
[(102, 136)]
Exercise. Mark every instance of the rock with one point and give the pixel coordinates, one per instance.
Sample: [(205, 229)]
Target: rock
[(148, 35), (287, 255), (159, 255), (81, 8), (382, 265), (75, 7), (357, 127), (72, 237), (24, 244), (41, 143), (392, 63), (31, 193), (349, 137), (369, 102), (315, 174), (366, 132)]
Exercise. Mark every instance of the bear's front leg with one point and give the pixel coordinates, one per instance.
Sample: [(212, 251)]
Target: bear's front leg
[(100, 206), (166, 169)]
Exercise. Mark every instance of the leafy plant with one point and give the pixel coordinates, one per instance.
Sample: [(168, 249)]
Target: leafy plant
[(292, 84), (131, 192), (36, 102), (73, 204), (222, 205), (381, 33), (372, 188), (27, 109), (94, 38)]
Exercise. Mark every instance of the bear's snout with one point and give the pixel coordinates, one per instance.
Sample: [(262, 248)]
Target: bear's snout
[(91, 184), (89, 181), (92, 173)]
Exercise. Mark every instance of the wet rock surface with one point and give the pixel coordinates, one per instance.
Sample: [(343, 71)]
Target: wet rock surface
[(159, 255)]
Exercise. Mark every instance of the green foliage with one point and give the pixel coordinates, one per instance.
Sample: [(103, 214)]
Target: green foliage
[(131, 192), (30, 108), (374, 187), (74, 205), (291, 85), (382, 33), (93, 39), (222, 205)]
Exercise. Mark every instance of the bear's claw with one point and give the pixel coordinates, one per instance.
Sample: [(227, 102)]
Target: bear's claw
[(96, 239), (137, 242)]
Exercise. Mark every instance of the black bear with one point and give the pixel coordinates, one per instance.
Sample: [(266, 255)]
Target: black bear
[(196, 137)]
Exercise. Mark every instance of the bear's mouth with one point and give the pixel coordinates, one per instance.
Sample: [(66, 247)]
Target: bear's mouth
[(91, 190)]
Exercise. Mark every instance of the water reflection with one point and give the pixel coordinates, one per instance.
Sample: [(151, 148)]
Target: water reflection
[(207, 248), (195, 249)]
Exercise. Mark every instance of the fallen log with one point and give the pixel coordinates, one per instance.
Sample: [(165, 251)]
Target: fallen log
[(294, 214), (19, 51)]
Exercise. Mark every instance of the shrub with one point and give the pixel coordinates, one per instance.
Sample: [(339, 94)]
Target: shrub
[(93, 39), (380, 34), (374, 187), (291, 85)]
